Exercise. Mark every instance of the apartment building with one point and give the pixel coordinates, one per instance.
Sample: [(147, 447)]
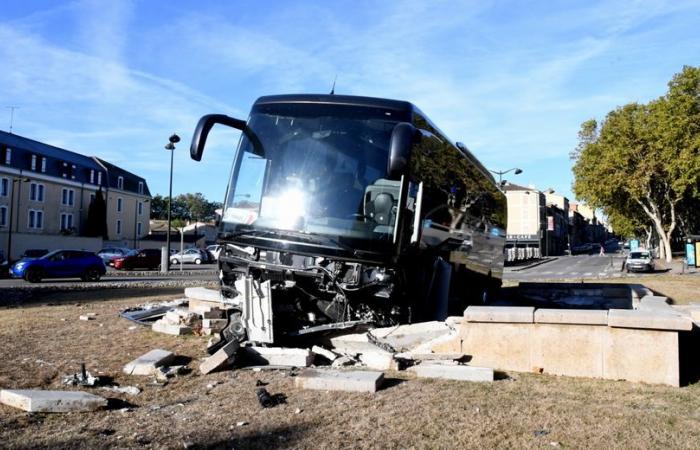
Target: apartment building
[(45, 194), (526, 219)]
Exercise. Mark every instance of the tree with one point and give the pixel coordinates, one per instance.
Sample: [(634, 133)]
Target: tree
[(96, 223), (644, 157)]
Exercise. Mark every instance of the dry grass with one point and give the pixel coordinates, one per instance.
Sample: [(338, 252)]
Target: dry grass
[(681, 289), (41, 343)]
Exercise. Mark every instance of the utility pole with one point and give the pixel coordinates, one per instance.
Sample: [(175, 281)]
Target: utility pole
[(12, 115)]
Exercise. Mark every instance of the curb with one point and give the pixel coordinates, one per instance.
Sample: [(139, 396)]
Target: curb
[(538, 263)]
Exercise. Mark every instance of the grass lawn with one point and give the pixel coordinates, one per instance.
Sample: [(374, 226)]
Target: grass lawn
[(43, 342)]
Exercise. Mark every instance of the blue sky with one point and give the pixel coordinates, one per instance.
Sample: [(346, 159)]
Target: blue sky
[(512, 80)]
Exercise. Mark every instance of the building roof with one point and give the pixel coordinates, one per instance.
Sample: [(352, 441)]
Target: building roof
[(62, 163), (515, 187)]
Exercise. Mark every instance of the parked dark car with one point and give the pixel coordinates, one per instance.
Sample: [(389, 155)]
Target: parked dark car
[(139, 259), (33, 253), (60, 264)]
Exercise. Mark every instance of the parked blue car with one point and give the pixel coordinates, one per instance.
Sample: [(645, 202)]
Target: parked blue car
[(60, 264)]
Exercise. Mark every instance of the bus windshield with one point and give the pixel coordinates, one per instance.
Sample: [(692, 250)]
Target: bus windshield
[(315, 169)]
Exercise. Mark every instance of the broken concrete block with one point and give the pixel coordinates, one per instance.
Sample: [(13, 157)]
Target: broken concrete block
[(162, 326), (633, 318), (407, 337), (219, 359), (336, 380), (452, 372), (329, 355), (378, 360), (86, 317), (572, 316), (430, 356), (501, 314), (146, 364), (344, 361), (200, 293), (278, 356), (352, 344), (35, 400)]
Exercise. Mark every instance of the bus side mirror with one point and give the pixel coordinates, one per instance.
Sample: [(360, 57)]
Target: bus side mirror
[(400, 148), (204, 126)]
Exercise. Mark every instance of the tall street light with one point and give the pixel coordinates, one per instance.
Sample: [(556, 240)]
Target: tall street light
[(500, 173), (17, 180), (174, 139)]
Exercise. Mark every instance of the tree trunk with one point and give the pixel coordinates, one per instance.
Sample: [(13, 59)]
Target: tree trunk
[(652, 210)]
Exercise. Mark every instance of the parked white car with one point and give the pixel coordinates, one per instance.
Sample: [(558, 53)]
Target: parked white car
[(191, 255), (639, 260), (215, 251)]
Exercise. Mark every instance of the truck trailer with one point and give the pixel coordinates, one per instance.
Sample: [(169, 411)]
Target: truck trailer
[(344, 211)]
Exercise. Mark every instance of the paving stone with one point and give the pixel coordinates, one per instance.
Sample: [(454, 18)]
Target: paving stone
[(500, 314), (452, 372), (219, 359), (572, 316), (329, 355), (146, 364), (338, 380), (278, 356), (161, 326), (201, 293), (36, 400), (378, 360), (633, 318)]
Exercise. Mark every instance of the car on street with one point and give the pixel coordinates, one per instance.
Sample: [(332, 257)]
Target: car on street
[(60, 264), (109, 253), (138, 259), (639, 260), (191, 255)]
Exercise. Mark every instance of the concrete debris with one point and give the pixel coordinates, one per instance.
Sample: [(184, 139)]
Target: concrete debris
[(336, 380), (452, 372), (242, 423), (128, 390), (35, 400), (163, 326), (82, 378), (329, 355), (200, 293), (87, 317), (406, 337), (430, 356), (278, 356), (147, 364), (298, 411), (378, 360), (214, 313), (224, 356), (344, 361)]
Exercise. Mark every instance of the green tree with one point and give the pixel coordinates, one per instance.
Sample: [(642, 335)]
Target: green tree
[(644, 157)]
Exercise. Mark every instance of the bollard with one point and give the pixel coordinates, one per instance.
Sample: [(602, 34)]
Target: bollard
[(164, 260)]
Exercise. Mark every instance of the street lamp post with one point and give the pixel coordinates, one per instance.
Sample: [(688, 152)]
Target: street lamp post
[(500, 173), (174, 139)]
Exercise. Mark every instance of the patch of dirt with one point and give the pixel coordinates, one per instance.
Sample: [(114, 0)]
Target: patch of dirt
[(42, 343)]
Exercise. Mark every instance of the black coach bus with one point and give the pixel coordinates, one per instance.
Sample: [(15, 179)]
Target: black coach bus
[(344, 210)]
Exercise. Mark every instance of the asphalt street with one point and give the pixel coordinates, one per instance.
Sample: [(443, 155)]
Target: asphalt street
[(564, 267)]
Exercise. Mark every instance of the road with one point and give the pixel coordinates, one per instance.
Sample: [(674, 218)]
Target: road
[(565, 267), (191, 272)]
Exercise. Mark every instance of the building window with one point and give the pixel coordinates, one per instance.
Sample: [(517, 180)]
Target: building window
[(138, 229), (66, 221), (119, 227), (140, 208), (4, 187), (140, 187), (33, 162), (92, 176), (72, 171), (99, 178), (43, 164), (3, 216), (36, 192), (8, 156), (120, 182), (36, 219), (119, 204), (67, 197)]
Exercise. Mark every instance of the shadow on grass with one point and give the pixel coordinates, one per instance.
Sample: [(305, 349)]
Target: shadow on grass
[(54, 297)]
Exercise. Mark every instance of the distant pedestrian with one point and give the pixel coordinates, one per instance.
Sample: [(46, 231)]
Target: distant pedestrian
[(602, 250)]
